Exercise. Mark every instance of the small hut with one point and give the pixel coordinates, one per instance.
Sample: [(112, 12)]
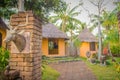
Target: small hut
[(53, 42), (88, 42), (3, 28)]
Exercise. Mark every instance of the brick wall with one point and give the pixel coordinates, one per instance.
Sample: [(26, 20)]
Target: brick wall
[(29, 60)]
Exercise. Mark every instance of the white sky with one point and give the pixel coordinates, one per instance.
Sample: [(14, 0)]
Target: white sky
[(84, 14)]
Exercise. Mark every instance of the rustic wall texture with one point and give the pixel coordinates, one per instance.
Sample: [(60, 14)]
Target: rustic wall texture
[(29, 60)]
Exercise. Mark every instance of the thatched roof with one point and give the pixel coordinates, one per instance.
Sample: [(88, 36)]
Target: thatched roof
[(51, 31), (3, 25), (87, 36)]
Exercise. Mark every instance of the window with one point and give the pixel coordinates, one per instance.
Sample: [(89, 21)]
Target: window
[(92, 46), (0, 39), (53, 46)]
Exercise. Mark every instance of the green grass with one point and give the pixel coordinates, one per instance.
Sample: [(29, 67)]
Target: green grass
[(58, 59), (118, 59), (49, 73), (104, 72)]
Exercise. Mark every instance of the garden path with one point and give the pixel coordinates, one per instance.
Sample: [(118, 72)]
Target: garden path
[(76, 70)]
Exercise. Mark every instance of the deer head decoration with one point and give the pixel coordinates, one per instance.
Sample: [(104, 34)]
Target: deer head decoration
[(17, 37)]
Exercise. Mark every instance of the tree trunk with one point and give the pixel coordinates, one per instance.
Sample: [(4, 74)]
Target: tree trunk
[(99, 35), (21, 5)]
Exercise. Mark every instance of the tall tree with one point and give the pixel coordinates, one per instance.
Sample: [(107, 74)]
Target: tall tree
[(99, 4)]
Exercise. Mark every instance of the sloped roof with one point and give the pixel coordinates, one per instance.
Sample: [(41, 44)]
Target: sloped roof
[(51, 31), (87, 36), (3, 25)]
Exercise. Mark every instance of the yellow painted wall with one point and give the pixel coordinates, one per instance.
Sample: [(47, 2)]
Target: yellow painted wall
[(44, 46), (61, 47), (85, 47), (3, 32)]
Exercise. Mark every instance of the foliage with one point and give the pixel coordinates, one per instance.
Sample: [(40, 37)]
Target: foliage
[(66, 17), (4, 56), (77, 42), (39, 7), (49, 73), (94, 55), (113, 39), (44, 62), (115, 49), (108, 21), (117, 66), (104, 72), (43, 7), (6, 12)]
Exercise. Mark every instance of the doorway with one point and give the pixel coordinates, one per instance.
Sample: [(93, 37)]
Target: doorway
[(53, 46)]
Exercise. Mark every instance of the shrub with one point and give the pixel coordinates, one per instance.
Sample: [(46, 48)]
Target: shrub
[(117, 66), (4, 56), (115, 49), (94, 55), (108, 62)]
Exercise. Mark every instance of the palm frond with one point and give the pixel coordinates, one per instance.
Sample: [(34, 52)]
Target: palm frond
[(73, 9), (75, 14)]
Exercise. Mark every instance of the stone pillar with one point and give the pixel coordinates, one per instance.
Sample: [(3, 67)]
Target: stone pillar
[(27, 61)]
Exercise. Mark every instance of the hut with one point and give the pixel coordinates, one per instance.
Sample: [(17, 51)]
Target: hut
[(88, 42), (53, 41), (3, 28)]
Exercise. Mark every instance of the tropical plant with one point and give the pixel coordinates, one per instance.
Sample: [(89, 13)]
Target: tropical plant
[(4, 56), (66, 18), (113, 39)]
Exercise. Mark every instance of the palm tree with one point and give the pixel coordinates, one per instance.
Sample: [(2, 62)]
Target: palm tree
[(66, 18)]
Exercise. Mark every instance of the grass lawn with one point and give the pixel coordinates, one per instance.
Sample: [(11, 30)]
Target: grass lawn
[(104, 72), (49, 73)]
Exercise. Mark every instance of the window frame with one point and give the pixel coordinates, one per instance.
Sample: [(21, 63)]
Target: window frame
[(92, 46)]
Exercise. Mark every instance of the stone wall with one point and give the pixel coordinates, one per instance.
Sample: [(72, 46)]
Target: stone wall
[(29, 60)]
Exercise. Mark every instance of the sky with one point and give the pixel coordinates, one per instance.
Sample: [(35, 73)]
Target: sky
[(92, 9), (84, 14)]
